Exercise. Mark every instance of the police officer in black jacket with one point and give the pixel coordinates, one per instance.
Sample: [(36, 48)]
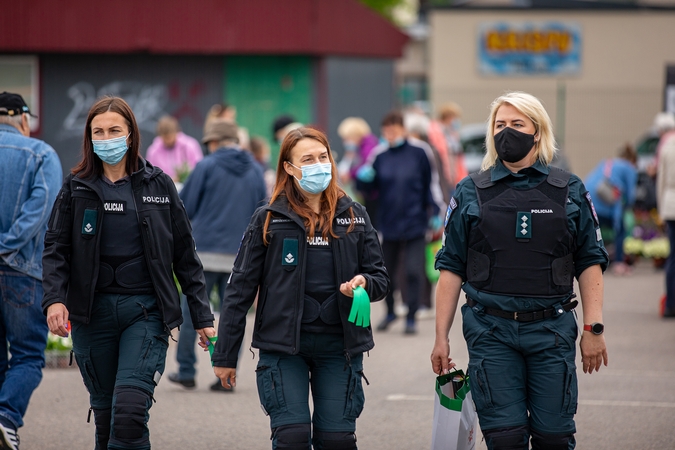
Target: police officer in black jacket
[(303, 254), (117, 233)]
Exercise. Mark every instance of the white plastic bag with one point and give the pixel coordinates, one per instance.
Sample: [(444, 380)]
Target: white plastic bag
[(454, 425)]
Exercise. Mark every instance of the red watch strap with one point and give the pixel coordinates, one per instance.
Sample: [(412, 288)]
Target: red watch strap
[(588, 327)]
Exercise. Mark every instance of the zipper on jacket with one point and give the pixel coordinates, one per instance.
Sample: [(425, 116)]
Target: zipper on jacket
[(145, 253)]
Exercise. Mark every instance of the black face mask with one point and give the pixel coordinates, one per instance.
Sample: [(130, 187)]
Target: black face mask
[(512, 145)]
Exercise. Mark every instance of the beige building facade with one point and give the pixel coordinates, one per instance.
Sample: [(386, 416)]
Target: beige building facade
[(608, 96)]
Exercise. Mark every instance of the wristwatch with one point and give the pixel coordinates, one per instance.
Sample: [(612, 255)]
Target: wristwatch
[(595, 328)]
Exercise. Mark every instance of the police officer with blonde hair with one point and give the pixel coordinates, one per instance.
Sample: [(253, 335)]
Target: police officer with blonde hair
[(516, 235)]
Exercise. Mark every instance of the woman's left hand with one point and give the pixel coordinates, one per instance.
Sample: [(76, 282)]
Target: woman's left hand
[(348, 287), (204, 335)]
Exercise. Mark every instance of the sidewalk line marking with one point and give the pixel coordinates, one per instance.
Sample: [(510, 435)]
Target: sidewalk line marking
[(405, 397), (626, 403)]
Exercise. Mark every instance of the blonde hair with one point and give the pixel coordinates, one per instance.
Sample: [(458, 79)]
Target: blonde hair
[(529, 105), (353, 128), (449, 109)]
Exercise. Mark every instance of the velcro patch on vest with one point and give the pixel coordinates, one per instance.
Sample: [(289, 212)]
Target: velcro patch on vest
[(289, 256), (523, 225), (156, 199), (119, 207), (89, 222)]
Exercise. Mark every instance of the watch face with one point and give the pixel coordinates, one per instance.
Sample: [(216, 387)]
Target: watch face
[(597, 328)]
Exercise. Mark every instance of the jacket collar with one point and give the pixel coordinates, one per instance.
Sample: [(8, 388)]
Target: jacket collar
[(9, 128), (499, 171), (281, 206)]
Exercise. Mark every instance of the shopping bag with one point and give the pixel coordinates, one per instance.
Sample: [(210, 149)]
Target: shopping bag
[(454, 426), (431, 249)]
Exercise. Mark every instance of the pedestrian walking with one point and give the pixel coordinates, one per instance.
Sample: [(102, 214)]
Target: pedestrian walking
[(30, 176), (220, 196), (516, 235), (665, 189), (116, 236), (173, 151), (305, 253), (612, 184), (402, 172)]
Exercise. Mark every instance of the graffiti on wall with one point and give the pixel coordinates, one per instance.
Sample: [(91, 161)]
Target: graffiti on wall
[(148, 101)]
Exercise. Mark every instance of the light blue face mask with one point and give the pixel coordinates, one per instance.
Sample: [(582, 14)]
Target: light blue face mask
[(315, 177), (111, 151)]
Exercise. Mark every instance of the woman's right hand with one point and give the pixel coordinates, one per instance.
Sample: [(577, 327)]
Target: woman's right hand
[(441, 363), (57, 319), (227, 376)]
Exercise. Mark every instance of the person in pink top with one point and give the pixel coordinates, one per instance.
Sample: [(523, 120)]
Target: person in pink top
[(172, 150)]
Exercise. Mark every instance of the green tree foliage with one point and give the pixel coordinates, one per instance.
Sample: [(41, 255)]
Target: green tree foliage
[(384, 7)]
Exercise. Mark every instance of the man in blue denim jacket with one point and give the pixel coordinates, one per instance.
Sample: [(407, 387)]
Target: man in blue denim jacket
[(30, 177)]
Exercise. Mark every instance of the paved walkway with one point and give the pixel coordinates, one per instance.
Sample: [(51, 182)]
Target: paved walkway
[(629, 405)]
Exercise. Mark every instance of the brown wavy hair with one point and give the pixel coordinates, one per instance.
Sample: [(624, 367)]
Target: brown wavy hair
[(91, 165), (286, 186)]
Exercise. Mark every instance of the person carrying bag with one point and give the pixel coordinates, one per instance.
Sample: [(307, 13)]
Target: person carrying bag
[(454, 425)]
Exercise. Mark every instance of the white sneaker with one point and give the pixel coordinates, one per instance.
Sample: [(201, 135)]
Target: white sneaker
[(401, 310), (425, 314), (9, 440)]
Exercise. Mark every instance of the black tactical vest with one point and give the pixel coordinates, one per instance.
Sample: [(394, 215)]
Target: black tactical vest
[(522, 245)]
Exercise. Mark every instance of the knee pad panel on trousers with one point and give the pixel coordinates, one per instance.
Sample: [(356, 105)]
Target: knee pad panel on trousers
[(130, 418), (344, 440), (548, 441), (296, 436), (102, 422), (512, 438)]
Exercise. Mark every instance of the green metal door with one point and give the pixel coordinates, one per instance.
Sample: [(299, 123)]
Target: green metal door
[(264, 87)]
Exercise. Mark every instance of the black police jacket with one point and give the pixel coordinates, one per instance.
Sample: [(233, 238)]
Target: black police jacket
[(277, 272), (72, 247)]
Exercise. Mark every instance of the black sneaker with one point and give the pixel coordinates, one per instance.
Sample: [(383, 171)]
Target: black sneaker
[(218, 387), (385, 323), (9, 440), (188, 384)]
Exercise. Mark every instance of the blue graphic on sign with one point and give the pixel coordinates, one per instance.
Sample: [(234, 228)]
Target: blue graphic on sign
[(550, 48)]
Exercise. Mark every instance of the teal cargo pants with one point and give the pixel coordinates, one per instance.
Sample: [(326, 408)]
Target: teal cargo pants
[(523, 377), (121, 355)]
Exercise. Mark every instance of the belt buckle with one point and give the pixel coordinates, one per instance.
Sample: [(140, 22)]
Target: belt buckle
[(515, 315)]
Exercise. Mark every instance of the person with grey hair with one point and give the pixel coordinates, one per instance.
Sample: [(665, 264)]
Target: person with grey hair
[(220, 197), (516, 235), (30, 177)]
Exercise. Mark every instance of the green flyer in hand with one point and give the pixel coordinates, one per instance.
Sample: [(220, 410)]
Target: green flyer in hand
[(212, 346), (360, 313)]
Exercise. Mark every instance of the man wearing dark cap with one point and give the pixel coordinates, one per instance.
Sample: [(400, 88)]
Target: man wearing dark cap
[(30, 177), (282, 125), (220, 196)]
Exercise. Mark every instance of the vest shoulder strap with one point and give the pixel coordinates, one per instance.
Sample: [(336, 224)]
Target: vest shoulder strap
[(558, 177), (482, 180)]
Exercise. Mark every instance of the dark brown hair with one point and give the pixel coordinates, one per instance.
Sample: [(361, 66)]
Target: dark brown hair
[(286, 186), (392, 118), (628, 153), (91, 166)]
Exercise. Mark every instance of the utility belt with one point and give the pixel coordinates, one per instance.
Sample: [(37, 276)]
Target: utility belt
[(120, 275), (525, 316)]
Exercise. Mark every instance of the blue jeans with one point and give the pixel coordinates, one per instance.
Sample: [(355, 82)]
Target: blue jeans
[(522, 374), (337, 392), (23, 329), (187, 336), (619, 235)]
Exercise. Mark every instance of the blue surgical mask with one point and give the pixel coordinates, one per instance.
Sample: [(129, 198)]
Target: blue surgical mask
[(315, 177), (111, 151), (397, 142)]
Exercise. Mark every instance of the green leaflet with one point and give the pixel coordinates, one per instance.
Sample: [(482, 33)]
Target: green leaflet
[(360, 312)]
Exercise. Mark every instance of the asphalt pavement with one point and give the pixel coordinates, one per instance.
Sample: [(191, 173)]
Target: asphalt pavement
[(628, 405)]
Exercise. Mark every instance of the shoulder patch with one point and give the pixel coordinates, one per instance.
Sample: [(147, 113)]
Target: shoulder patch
[(592, 206), (451, 207)]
